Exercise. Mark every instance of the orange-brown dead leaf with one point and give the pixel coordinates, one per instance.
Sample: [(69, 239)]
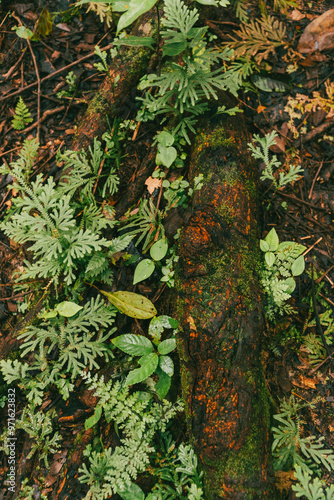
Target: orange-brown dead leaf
[(319, 34), (152, 184)]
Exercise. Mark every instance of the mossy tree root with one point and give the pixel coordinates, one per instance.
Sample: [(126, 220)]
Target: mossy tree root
[(218, 302)]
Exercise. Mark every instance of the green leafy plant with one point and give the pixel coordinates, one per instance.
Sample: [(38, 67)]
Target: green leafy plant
[(181, 88), (261, 152), (39, 427), (314, 490), (177, 470), (146, 267), (138, 418), (151, 361), (70, 80), (22, 116), (283, 261), (290, 448), (61, 345)]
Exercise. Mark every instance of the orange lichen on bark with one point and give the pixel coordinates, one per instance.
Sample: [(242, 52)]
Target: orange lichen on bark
[(219, 291)]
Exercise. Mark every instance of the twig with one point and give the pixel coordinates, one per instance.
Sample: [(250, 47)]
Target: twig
[(299, 201), (327, 299), (320, 364), (55, 73), (313, 133), (311, 247), (315, 178), (38, 91), (13, 68), (46, 113), (318, 280)]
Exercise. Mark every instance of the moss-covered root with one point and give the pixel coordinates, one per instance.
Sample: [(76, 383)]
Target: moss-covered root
[(127, 68), (220, 336)]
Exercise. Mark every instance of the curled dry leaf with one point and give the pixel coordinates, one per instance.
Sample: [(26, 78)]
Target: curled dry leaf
[(318, 35)]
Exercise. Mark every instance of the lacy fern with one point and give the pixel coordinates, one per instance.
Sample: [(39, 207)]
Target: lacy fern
[(39, 427), (61, 346), (138, 418), (62, 235)]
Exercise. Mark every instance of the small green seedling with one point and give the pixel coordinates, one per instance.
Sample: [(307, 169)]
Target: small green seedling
[(151, 360)]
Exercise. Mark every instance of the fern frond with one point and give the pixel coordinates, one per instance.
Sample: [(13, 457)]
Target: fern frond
[(258, 38), (22, 116)]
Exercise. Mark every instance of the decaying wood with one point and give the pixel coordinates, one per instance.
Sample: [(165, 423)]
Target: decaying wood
[(219, 343)]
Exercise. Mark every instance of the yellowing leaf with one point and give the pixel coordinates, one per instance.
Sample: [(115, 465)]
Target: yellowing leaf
[(132, 304)]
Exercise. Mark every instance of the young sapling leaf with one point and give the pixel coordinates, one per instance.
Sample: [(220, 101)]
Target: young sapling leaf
[(67, 309), (135, 345), (298, 266), (166, 364), (167, 346), (143, 270), (159, 249), (272, 240), (270, 258), (148, 366)]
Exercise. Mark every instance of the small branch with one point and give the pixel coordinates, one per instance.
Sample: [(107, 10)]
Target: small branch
[(46, 113), (38, 91), (315, 178), (55, 73)]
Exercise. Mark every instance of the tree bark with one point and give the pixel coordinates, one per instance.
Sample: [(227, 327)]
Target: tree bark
[(227, 404)]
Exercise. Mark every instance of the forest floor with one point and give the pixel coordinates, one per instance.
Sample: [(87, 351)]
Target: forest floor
[(298, 349)]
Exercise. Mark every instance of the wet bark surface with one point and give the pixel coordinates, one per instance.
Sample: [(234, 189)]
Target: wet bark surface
[(219, 309)]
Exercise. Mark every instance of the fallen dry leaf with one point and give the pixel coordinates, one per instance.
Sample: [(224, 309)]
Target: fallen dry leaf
[(296, 15), (152, 184), (279, 147), (305, 382), (319, 34)]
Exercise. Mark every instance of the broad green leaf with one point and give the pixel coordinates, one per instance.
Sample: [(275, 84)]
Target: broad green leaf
[(166, 364), (272, 240), (291, 248), (167, 346), (24, 32), (163, 385), (207, 2), (132, 304), (298, 266), (48, 315), (165, 138), (91, 421), (148, 366), (158, 324), (159, 249), (264, 246), (67, 309), (131, 492), (135, 10), (135, 41), (174, 49), (143, 270), (166, 156), (291, 284), (136, 345), (270, 258)]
